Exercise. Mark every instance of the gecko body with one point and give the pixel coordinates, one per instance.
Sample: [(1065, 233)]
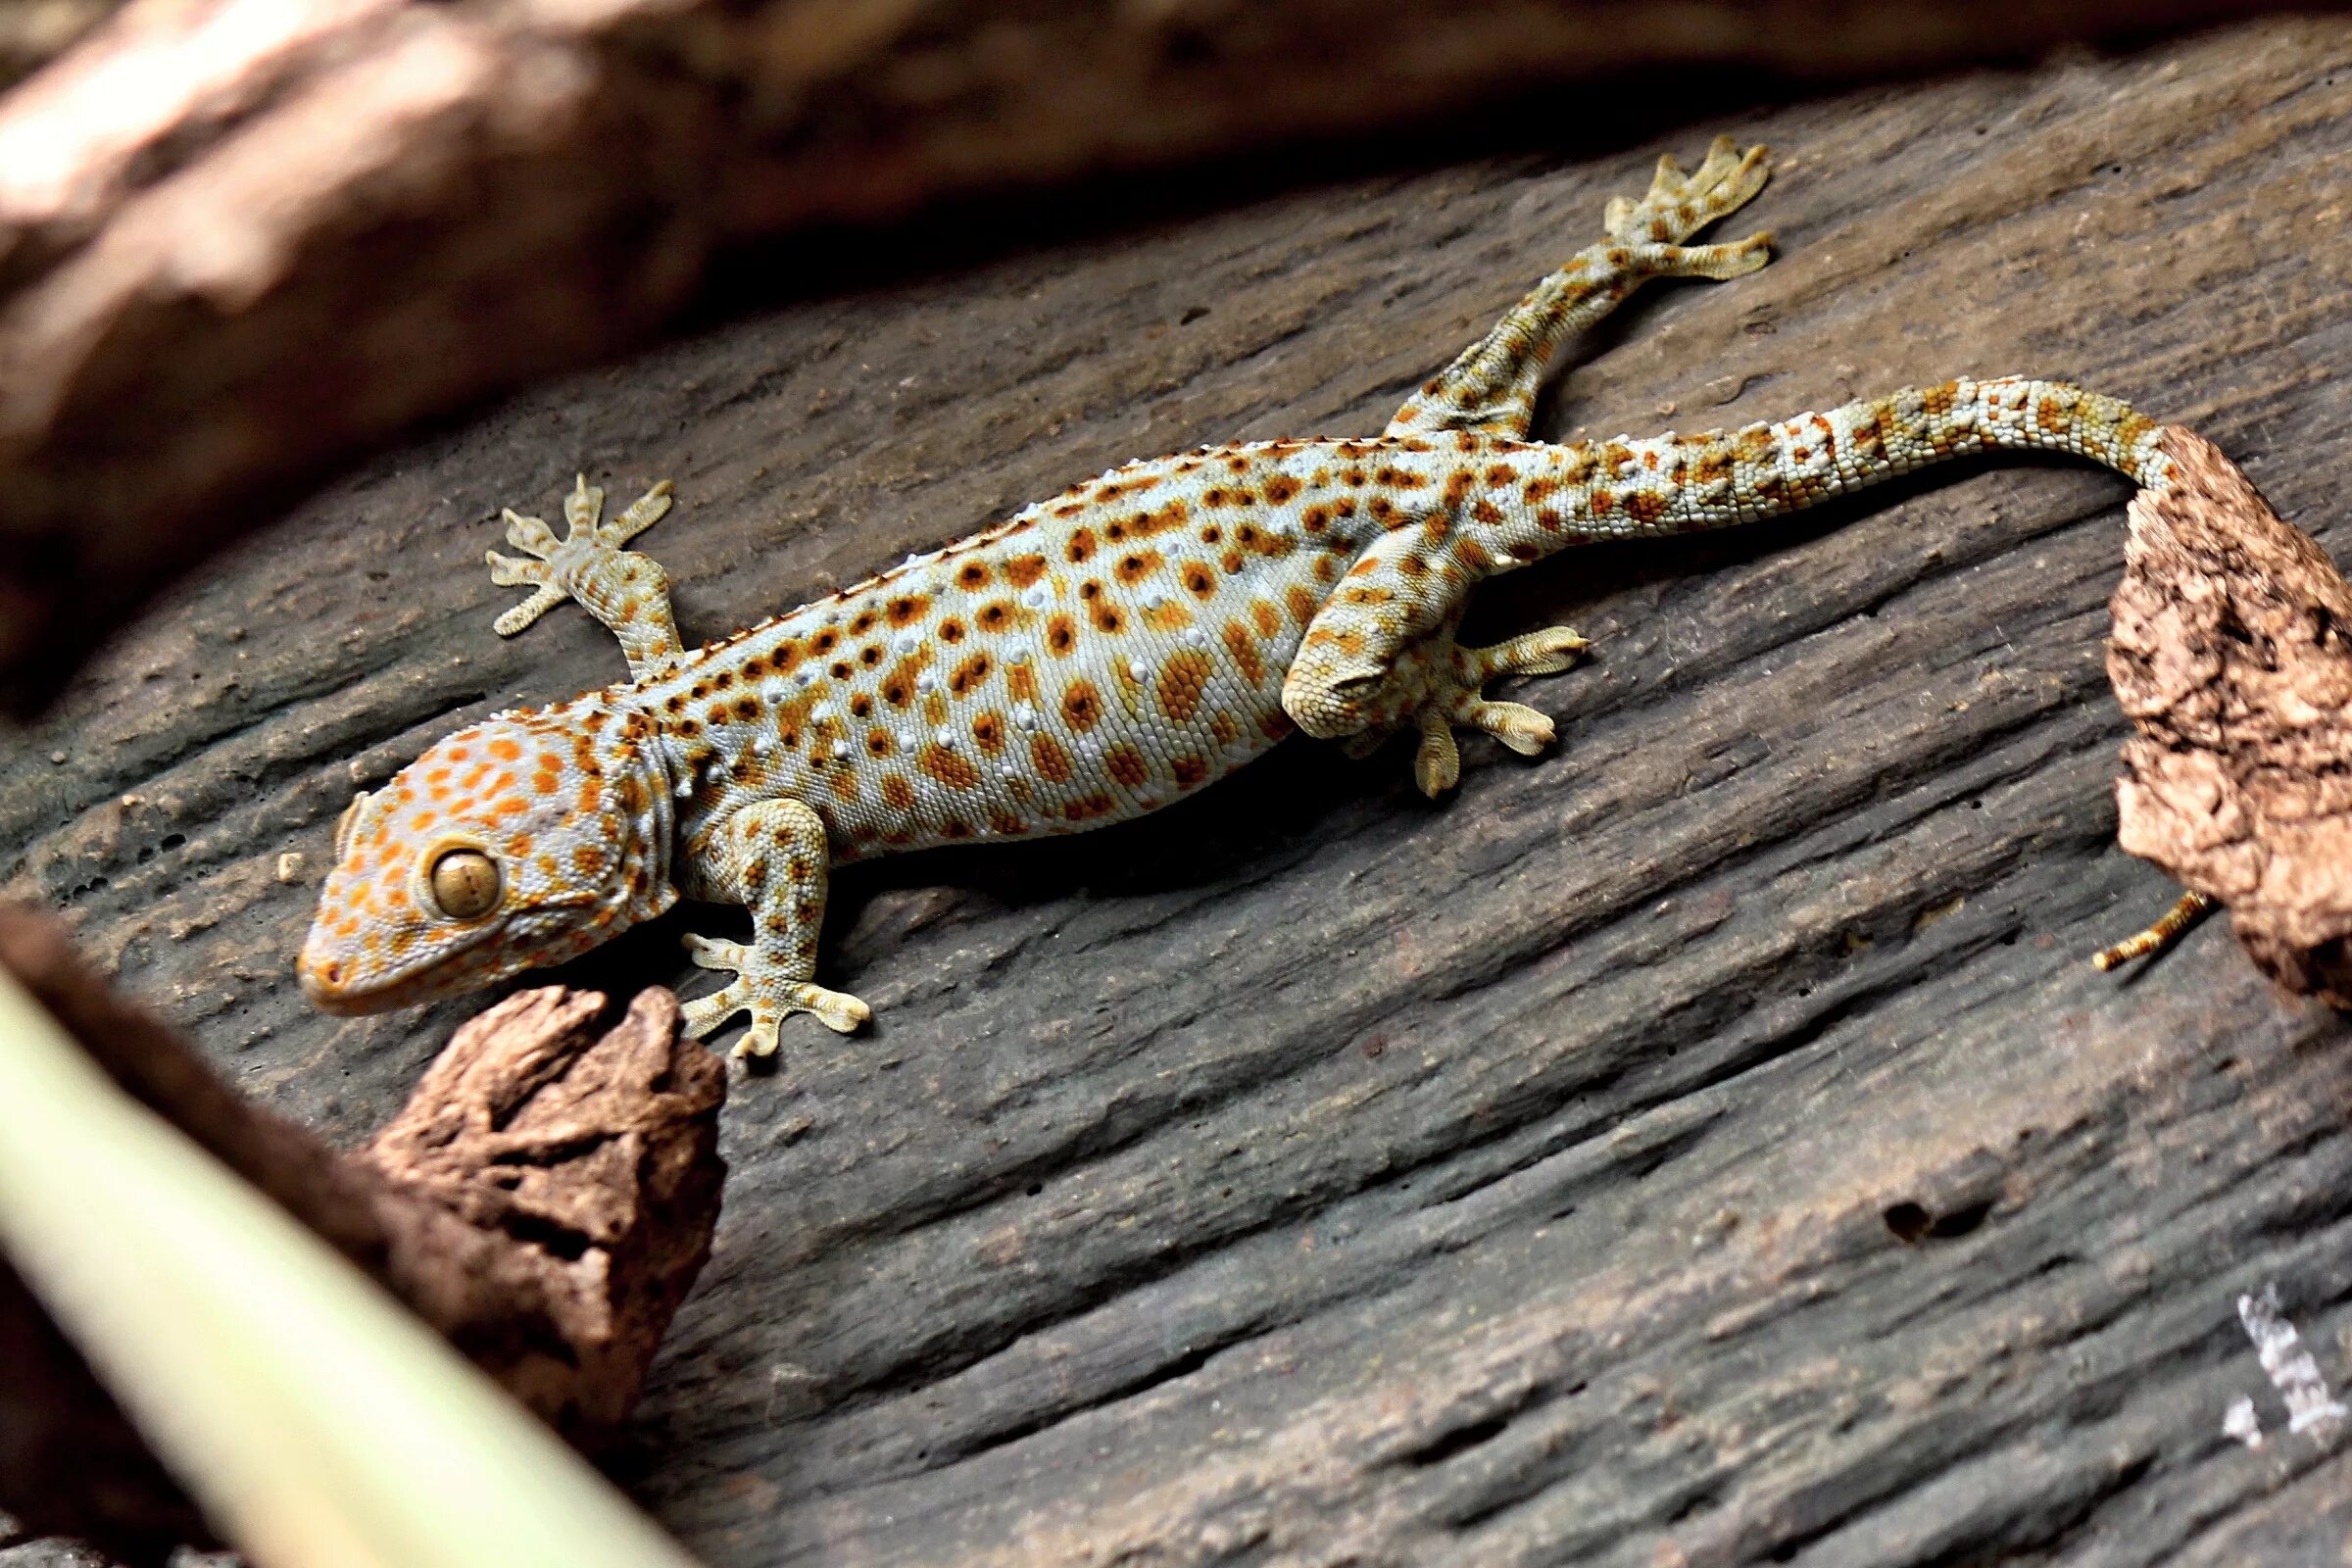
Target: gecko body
[(1090, 660)]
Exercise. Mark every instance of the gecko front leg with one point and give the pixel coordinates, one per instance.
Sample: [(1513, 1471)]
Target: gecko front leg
[(772, 857), (626, 591)]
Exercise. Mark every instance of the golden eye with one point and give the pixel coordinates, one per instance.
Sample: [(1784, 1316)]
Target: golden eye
[(349, 820), (466, 884)]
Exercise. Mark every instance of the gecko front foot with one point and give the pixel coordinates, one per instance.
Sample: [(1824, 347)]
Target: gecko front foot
[(626, 591), (768, 996), (1455, 698)]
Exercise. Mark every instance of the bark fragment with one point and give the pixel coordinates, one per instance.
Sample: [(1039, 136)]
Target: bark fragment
[(2232, 653)]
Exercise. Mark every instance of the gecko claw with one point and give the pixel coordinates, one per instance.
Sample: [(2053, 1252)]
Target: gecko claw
[(769, 1001)]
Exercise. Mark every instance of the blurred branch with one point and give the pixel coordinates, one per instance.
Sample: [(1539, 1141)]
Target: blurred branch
[(242, 241)]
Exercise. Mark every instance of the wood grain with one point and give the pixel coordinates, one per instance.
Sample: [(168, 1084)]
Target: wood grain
[(1706, 1145)]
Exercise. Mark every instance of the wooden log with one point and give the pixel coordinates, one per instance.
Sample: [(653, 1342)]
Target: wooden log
[(1705, 1144)]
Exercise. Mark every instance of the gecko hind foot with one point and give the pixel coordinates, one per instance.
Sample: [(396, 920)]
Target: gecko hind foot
[(768, 999), (1679, 205), (1456, 698)]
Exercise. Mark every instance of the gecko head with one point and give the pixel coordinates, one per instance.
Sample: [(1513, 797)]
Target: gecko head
[(523, 841)]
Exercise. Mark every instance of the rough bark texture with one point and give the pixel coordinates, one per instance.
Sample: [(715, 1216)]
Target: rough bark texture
[(544, 1200), (2228, 655), (1705, 1144), (241, 239), (588, 1157)]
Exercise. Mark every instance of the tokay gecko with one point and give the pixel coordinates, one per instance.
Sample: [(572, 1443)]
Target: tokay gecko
[(1095, 657)]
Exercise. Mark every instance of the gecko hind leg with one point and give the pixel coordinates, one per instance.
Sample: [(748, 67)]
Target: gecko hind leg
[(1458, 698), (1491, 386), (1438, 684)]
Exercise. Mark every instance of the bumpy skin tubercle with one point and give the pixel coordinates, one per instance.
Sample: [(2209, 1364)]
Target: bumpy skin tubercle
[(1094, 658)]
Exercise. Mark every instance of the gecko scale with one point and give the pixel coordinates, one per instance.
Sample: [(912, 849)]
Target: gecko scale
[(1094, 658)]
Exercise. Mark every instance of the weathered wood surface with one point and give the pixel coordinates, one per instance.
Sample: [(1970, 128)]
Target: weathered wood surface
[(1706, 1145)]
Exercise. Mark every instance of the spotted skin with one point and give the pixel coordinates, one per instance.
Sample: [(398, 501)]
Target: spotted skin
[(1094, 658)]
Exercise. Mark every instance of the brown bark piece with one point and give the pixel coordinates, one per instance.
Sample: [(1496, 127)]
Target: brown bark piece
[(544, 1201), (2231, 652), (590, 1157), (240, 244)]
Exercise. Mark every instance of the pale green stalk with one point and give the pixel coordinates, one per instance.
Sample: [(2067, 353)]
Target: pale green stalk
[(317, 1422)]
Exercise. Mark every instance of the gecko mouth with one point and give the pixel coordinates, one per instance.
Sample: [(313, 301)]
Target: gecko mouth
[(336, 984)]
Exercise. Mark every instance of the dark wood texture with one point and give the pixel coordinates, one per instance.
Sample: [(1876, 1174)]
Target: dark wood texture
[(1705, 1144)]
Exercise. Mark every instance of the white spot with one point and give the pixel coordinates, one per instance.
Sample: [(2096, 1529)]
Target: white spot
[(804, 679), (944, 736), (1010, 771), (1037, 596), (1195, 637), (761, 747), (685, 786), (2240, 1422), (907, 740), (821, 711), (925, 681), (2289, 1365), (1018, 650), (841, 748), (1139, 670), (1025, 716), (1155, 599), (906, 642)]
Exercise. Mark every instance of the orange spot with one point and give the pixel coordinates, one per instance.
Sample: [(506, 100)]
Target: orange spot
[(1089, 805), (949, 767), (1082, 706), (1183, 681), (1052, 762), (1238, 643)]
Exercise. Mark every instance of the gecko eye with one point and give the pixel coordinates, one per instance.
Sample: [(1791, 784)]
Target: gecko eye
[(464, 884), (345, 823)]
